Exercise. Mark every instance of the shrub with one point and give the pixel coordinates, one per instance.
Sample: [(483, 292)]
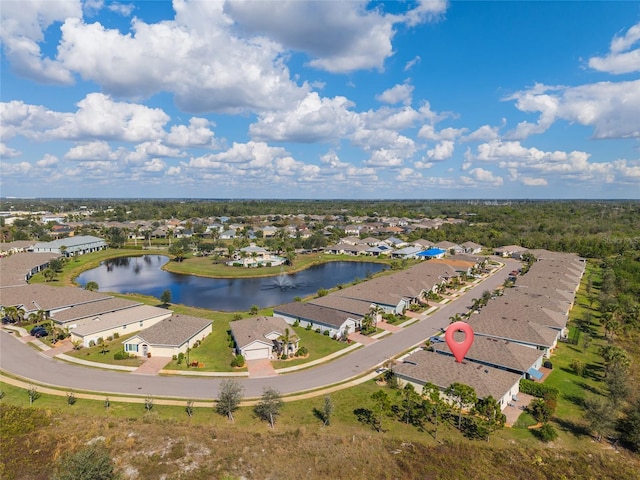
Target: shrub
[(100, 341), (578, 367), (89, 463), (537, 389), (116, 335), (302, 351), (318, 330), (122, 355), (548, 364), (296, 323), (180, 358), (174, 358), (540, 410), (546, 433), (238, 361), (92, 343), (326, 333), (308, 327), (110, 338)]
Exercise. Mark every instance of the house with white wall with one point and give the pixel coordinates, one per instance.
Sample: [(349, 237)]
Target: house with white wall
[(424, 367), (337, 322), (171, 336), (262, 337)]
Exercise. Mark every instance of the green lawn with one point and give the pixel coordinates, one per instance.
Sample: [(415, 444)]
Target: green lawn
[(104, 353), (214, 352), (317, 344)]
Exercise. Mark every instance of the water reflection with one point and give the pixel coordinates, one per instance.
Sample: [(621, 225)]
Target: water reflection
[(144, 275)]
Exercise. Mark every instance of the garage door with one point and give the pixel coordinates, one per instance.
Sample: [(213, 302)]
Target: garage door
[(256, 354)]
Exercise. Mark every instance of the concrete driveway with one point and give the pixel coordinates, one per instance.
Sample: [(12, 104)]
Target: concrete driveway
[(261, 368)]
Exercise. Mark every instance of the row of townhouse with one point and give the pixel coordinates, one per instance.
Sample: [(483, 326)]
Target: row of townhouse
[(341, 312), (398, 248), (91, 316), (514, 333)]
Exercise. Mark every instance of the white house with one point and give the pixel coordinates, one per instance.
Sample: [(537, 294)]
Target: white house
[(253, 256), (263, 337), (442, 370), (169, 337), (122, 322), (72, 246), (337, 322)]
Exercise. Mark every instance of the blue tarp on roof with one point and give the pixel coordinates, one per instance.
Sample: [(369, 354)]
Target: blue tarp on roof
[(432, 252), (537, 374)]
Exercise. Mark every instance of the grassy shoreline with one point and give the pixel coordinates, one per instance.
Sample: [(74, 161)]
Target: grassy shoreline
[(204, 267)]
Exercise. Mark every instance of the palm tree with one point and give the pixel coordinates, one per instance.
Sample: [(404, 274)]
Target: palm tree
[(284, 342), (376, 311), (14, 314), (455, 318)]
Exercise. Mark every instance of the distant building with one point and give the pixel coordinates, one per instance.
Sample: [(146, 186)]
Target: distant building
[(71, 247)]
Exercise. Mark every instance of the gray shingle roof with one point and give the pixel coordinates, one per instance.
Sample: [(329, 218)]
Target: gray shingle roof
[(315, 313), (499, 353), (345, 304), (45, 297), (174, 331), (249, 330), (133, 316), (101, 307), (14, 268), (443, 371)]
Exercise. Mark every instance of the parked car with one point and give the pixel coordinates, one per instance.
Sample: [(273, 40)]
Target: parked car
[(39, 332)]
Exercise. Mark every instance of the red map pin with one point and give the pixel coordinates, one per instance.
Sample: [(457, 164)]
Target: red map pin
[(459, 349)]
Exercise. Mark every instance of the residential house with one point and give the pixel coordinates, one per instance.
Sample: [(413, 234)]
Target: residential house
[(407, 252), (171, 336), (472, 248), (395, 242), (17, 269), (263, 337), (71, 247), (509, 251), (254, 256), (269, 231), (379, 250), (90, 329), (424, 367), (432, 252), (337, 322), (449, 247), (500, 354)]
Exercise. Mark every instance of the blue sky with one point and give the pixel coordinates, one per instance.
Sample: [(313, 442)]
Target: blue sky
[(320, 99)]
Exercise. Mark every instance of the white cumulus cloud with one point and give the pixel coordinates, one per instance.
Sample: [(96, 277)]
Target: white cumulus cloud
[(621, 57)]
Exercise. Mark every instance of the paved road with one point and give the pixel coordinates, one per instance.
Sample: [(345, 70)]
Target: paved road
[(21, 360)]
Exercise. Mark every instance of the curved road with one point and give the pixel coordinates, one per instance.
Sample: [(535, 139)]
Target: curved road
[(21, 360)]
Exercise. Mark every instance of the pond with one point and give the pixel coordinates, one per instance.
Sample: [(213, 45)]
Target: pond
[(144, 275)]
